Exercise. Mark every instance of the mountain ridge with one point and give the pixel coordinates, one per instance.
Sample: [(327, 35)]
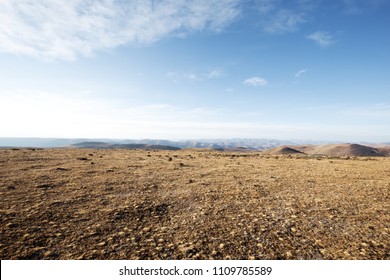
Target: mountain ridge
[(309, 147)]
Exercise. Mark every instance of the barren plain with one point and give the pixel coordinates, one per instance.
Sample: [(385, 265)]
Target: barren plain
[(192, 204)]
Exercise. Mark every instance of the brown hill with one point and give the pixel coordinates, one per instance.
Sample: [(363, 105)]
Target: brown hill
[(385, 151), (344, 150), (283, 150)]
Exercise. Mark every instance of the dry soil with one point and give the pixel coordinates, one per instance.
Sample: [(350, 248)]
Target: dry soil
[(191, 204)]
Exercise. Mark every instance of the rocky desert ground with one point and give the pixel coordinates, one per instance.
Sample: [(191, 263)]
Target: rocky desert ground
[(192, 204)]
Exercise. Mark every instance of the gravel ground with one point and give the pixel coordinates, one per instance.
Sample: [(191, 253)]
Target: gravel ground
[(191, 204)]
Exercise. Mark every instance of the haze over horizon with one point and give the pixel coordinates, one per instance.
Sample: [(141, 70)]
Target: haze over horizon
[(302, 69)]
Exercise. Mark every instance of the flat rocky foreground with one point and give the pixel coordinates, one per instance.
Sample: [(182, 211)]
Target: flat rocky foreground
[(191, 204)]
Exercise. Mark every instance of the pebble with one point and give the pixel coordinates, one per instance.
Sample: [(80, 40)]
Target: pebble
[(47, 254)]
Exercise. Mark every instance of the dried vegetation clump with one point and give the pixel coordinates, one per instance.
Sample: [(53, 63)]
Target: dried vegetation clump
[(190, 204)]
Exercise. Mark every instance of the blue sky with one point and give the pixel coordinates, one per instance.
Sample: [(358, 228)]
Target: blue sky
[(299, 69)]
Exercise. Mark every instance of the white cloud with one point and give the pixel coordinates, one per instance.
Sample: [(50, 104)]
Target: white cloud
[(72, 28), (193, 76), (255, 82), (300, 73), (322, 38), (214, 74), (277, 17), (284, 21)]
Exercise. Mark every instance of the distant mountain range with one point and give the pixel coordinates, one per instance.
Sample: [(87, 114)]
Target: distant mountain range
[(238, 144), (103, 145), (250, 144)]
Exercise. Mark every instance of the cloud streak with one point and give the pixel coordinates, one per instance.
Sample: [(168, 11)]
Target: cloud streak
[(278, 18), (69, 29), (300, 73), (255, 82), (193, 76), (284, 21), (322, 38)]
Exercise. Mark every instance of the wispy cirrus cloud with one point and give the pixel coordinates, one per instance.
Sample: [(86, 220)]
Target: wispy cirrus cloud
[(215, 74), (300, 73), (68, 29), (278, 18), (322, 38), (194, 76), (255, 82), (284, 21)]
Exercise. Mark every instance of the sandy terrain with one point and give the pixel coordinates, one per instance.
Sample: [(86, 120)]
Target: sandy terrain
[(190, 204)]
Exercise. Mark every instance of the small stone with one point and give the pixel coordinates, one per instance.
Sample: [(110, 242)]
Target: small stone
[(252, 258), (289, 254), (374, 243), (102, 243), (10, 225), (221, 246), (184, 248), (293, 229), (47, 254)]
